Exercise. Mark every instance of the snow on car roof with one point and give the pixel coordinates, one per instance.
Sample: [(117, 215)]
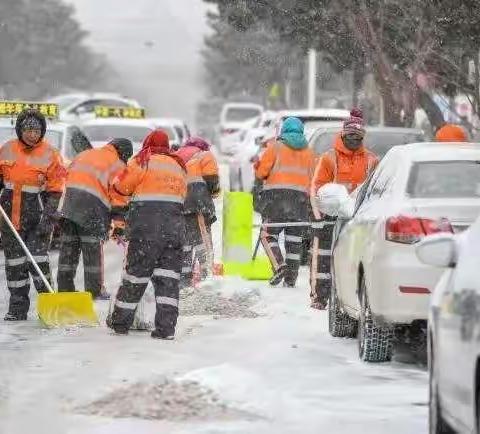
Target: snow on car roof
[(320, 112), (434, 151)]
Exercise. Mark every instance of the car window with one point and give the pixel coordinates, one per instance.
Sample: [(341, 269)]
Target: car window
[(323, 141), (179, 133), (444, 179), (240, 114), (89, 106), (362, 192), (380, 142), (384, 181)]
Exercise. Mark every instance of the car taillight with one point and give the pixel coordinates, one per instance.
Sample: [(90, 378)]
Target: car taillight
[(229, 131), (410, 230)]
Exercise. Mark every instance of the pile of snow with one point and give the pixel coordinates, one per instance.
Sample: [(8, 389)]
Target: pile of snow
[(208, 301), (165, 400)]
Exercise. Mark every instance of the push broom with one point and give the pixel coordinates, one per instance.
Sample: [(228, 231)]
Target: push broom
[(58, 309)]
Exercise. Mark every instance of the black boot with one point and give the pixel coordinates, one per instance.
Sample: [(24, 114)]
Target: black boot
[(278, 276), (15, 317), (160, 334), (121, 331)]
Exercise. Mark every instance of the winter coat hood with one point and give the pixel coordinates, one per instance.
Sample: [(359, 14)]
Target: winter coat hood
[(198, 142), (340, 147), (292, 133), (157, 142)]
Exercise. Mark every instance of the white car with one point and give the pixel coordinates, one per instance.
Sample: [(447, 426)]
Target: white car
[(235, 118), (59, 134), (79, 107), (102, 130), (378, 283), (454, 328), (312, 120)]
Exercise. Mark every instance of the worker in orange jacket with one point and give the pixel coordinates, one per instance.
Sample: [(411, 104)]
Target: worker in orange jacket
[(203, 185), (349, 163), (451, 133), (156, 181), (88, 207), (32, 178), (286, 169)]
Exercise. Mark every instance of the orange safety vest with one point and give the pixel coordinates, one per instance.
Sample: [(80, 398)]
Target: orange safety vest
[(162, 180), (94, 171), (342, 166), (202, 164), (284, 168), (30, 171)]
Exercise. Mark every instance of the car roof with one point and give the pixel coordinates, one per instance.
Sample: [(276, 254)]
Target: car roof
[(320, 112), (435, 151), (242, 105), (169, 121), (120, 121)]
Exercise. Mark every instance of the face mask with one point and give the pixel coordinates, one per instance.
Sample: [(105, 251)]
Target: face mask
[(352, 142)]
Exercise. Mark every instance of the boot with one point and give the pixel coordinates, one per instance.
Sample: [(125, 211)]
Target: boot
[(160, 334), (15, 317), (278, 275), (120, 331)]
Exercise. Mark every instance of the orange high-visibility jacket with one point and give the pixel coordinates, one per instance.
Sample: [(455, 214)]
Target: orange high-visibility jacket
[(342, 166), (284, 168), (27, 172), (90, 199), (203, 182), (157, 193)]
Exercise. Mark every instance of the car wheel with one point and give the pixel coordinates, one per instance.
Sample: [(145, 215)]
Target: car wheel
[(436, 423), (340, 325), (375, 342)]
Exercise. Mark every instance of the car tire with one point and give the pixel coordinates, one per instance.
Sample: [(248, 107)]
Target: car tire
[(375, 342), (340, 325), (436, 422)]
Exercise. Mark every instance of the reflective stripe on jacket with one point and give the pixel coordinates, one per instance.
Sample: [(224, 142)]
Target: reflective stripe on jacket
[(89, 194), (27, 172)]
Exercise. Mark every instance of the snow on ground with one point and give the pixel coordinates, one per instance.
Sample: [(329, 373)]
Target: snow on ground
[(275, 372), (247, 359)]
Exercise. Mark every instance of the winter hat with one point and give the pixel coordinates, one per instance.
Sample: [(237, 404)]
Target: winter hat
[(292, 133), (451, 133), (156, 142), (198, 142), (124, 148), (30, 119), (355, 123), (79, 141)]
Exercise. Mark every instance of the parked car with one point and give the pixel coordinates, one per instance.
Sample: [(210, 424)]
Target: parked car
[(182, 132), (79, 107), (312, 119), (234, 118), (377, 139), (454, 328), (378, 284), (100, 131)]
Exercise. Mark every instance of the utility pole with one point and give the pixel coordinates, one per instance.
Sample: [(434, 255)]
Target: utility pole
[(312, 78)]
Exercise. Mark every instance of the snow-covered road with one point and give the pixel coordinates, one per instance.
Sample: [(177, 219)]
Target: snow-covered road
[(278, 372)]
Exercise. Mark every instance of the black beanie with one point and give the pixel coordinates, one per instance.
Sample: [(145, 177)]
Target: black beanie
[(124, 148)]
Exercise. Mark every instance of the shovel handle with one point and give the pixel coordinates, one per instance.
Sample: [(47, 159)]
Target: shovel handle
[(27, 252)]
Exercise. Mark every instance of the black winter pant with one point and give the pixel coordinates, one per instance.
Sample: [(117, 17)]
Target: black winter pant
[(320, 273), (18, 268), (198, 245), (161, 262), (293, 249), (76, 240)]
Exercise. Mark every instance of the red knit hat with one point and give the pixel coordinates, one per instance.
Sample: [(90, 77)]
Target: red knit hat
[(355, 123)]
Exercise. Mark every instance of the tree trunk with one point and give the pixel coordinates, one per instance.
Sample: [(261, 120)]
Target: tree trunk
[(358, 79), (392, 111), (435, 115)]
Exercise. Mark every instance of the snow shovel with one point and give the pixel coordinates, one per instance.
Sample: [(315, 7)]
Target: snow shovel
[(58, 309)]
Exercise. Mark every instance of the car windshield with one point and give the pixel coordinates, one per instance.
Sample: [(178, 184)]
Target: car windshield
[(240, 114), (104, 133), (445, 179), (66, 101), (8, 132), (379, 142)]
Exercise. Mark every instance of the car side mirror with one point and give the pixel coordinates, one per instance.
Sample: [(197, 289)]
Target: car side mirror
[(438, 251), (334, 201)]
